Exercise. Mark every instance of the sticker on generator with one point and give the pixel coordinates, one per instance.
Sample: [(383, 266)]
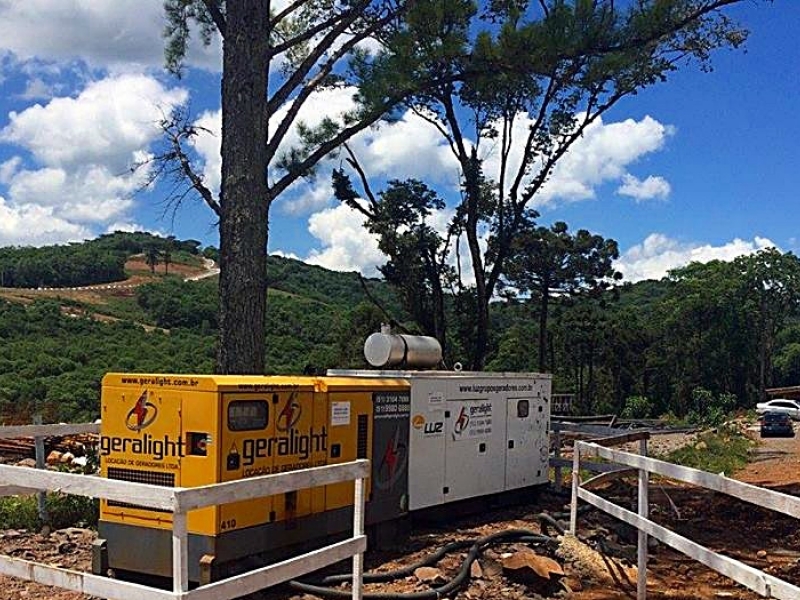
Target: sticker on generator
[(391, 405), (436, 401), (473, 420), (340, 413)]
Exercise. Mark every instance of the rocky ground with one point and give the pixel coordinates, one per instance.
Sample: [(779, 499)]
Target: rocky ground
[(602, 567)]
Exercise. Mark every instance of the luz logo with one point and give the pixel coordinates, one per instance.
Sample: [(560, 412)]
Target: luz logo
[(290, 414), (142, 414)]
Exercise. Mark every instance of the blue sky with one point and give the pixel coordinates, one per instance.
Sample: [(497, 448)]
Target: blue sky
[(704, 166)]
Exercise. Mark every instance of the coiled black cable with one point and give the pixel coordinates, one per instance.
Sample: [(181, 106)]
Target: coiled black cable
[(476, 547)]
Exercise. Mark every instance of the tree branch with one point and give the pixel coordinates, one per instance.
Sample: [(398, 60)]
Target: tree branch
[(311, 86), (304, 68), (392, 321), (213, 8), (316, 29), (362, 176), (288, 9)]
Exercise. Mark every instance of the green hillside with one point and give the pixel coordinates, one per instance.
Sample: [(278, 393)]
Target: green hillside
[(55, 349), (707, 336)]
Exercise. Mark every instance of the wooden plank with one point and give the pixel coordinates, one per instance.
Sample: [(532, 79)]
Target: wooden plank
[(83, 485), (586, 429), (54, 430), (783, 503), (76, 581), (576, 484), (180, 553), (13, 490), (608, 477), (643, 509), (752, 578), (265, 577), (594, 467), (625, 438), (187, 499), (358, 530)]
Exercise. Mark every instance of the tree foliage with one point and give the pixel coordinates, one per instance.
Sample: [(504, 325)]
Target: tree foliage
[(274, 59), (550, 69), (417, 253), (552, 262)]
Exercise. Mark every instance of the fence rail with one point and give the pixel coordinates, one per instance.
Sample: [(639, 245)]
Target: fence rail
[(762, 583), (180, 501)]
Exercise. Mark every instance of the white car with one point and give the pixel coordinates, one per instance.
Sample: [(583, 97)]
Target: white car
[(780, 405)]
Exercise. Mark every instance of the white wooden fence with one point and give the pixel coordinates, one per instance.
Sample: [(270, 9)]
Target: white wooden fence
[(750, 577), (180, 501)]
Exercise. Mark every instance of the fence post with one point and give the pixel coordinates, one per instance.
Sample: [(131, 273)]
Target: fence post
[(576, 468), (358, 530), (557, 456), (41, 496), (180, 553), (644, 482)]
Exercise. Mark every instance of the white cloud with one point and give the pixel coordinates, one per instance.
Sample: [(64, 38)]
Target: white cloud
[(105, 124), (82, 150), (601, 155), (650, 188), (659, 253), (8, 168), (33, 225), (208, 144), (104, 33), (132, 227), (347, 246), (37, 89)]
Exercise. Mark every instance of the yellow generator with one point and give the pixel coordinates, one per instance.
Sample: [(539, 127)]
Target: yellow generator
[(193, 430)]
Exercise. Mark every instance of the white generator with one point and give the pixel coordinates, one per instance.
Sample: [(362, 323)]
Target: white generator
[(470, 434)]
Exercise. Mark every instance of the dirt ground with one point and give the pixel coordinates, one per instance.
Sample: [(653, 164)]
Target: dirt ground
[(603, 568)]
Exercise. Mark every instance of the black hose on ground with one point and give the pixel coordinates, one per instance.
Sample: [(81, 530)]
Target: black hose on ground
[(476, 547)]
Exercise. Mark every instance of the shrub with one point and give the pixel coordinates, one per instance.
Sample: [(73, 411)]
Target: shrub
[(637, 407), (63, 510)]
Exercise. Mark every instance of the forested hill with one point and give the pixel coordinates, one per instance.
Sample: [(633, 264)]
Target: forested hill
[(58, 343), (706, 337), (88, 263)]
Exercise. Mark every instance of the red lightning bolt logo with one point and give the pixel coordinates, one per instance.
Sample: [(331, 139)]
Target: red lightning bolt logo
[(142, 414), (289, 415), (140, 409)]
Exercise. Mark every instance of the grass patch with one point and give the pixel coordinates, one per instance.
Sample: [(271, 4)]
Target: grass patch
[(22, 512), (725, 451)]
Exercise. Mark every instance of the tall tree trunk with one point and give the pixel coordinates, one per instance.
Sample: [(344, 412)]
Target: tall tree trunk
[(244, 194), (482, 293), (543, 308)]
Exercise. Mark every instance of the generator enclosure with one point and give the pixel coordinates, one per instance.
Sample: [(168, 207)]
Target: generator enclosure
[(187, 431), (473, 434), (432, 438)]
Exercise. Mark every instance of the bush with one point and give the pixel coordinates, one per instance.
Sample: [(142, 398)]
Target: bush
[(637, 407), (63, 510), (725, 451), (708, 409)]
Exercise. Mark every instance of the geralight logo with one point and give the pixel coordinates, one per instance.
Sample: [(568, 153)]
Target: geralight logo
[(392, 464), (142, 414), (289, 415), (418, 421), (461, 422)]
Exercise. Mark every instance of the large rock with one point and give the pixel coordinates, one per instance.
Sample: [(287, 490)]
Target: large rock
[(525, 565), (429, 575)]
